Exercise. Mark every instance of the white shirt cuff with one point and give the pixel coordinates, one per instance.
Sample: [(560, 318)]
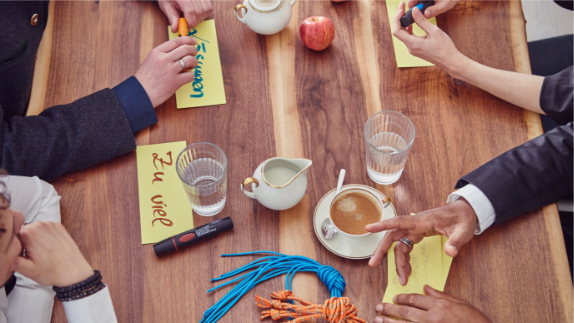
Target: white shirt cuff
[(479, 202), (95, 308)]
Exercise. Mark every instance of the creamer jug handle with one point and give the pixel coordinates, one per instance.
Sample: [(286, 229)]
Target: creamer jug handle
[(237, 7), (246, 182), (293, 3)]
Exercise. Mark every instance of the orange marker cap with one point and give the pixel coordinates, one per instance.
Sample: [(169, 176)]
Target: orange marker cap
[(183, 31)]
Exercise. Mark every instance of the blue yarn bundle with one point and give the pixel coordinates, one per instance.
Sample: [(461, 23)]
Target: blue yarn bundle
[(265, 268)]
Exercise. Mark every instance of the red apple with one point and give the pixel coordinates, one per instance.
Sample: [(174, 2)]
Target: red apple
[(317, 32)]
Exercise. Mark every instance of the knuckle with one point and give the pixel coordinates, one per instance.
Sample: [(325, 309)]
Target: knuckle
[(178, 41), (412, 299), (444, 304), (404, 311)]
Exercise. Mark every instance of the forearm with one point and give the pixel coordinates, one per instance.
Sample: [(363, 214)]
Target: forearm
[(522, 90)]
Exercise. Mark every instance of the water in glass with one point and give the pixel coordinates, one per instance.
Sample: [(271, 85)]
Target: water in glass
[(385, 164), (206, 195)]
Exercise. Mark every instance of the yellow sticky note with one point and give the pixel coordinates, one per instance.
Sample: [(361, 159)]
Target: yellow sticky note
[(207, 87), (164, 208), (427, 264), (446, 262), (404, 58)]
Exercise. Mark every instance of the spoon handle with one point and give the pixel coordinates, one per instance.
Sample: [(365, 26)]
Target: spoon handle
[(341, 180)]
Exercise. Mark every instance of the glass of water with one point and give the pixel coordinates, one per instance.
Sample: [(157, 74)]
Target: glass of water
[(202, 168), (389, 136)]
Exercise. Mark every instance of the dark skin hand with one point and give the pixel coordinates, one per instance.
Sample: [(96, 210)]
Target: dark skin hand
[(457, 221), (435, 306)]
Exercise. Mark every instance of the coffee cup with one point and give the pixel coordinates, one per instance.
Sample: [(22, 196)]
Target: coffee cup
[(351, 210)]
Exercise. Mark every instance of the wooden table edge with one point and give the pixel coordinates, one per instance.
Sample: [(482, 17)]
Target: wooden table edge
[(550, 212)]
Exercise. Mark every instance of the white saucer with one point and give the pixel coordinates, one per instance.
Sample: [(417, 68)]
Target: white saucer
[(341, 245)]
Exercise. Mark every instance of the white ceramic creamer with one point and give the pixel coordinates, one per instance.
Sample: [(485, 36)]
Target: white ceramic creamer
[(279, 183), (265, 17)]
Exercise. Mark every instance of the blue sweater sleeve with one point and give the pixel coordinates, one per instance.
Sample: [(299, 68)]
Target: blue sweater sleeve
[(136, 104)]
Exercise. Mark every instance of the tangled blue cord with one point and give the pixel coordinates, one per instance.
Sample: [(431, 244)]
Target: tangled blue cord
[(264, 269)]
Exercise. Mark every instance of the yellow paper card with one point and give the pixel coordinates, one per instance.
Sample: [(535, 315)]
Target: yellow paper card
[(446, 262), (427, 264), (404, 58), (207, 87), (164, 208)]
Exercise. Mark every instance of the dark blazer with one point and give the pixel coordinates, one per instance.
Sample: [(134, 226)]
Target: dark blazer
[(538, 172), (63, 138)]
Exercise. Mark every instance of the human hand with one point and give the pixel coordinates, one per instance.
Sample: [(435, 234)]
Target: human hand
[(161, 73), (436, 47), (456, 220), (440, 6), (194, 11), (435, 306), (52, 257)]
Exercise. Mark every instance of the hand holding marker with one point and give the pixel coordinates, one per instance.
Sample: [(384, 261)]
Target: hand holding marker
[(407, 19)]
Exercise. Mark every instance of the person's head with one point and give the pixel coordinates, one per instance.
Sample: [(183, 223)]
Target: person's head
[(10, 247)]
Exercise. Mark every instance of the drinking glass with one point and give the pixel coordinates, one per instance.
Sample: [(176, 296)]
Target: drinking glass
[(389, 136), (202, 168)]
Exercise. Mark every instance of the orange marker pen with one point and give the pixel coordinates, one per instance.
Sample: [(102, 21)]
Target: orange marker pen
[(183, 31)]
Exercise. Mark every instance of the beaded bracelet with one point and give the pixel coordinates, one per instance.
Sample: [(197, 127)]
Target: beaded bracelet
[(80, 290)]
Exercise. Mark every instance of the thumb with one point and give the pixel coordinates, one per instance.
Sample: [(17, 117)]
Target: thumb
[(425, 25), (174, 24), (26, 267), (455, 241)]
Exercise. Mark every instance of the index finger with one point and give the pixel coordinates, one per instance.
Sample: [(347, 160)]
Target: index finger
[(398, 31), (412, 3), (413, 222), (170, 45)]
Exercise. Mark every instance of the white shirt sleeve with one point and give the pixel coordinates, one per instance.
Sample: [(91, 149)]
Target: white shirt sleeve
[(95, 308), (36, 199), (3, 306), (479, 202), (30, 301)]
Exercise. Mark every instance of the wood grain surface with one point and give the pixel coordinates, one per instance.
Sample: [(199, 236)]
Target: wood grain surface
[(286, 100)]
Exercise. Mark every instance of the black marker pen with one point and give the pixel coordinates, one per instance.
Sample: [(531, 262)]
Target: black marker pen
[(193, 236), (408, 20)]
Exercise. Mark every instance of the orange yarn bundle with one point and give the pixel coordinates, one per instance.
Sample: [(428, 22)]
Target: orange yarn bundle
[(334, 310)]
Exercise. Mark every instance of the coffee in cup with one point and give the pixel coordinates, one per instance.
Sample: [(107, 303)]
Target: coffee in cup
[(351, 210)]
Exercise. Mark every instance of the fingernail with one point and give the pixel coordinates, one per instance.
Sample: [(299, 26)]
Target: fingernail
[(379, 320), (395, 299), (416, 12), (401, 280), (379, 308), (428, 13)]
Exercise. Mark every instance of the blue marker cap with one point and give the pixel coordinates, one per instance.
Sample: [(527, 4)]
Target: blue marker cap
[(408, 20)]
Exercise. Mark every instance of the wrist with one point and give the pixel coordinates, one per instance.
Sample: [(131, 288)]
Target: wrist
[(458, 66), (85, 288), (466, 210), (75, 275)]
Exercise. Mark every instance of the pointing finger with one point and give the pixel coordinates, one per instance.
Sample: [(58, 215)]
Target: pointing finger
[(425, 25)]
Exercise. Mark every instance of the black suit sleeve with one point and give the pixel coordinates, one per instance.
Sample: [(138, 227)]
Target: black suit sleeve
[(538, 172), (66, 138)]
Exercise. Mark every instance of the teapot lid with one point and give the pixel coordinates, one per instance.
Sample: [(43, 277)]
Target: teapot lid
[(266, 6)]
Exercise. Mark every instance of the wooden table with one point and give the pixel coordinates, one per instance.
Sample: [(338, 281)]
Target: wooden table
[(285, 100)]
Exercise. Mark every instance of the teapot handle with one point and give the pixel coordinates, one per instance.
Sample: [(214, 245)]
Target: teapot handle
[(246, 182), (293, 3), (237, 7)]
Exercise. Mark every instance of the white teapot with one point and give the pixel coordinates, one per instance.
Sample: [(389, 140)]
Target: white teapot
[(265, 17), (279, 183)]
